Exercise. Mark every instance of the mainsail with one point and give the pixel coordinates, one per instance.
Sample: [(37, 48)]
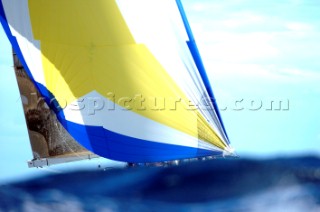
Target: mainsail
[(50, 142), (124, 78)]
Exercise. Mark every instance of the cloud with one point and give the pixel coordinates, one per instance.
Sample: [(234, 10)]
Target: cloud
[(299, 26), (258, 41), (203, 6), (243, 19), (262, 72), (237, 47), (301, 74)]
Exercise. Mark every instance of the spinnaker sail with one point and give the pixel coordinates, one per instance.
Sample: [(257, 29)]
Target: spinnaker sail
[(123, 77)]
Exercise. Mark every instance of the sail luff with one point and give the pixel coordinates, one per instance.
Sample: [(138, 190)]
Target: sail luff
[(197, 58)]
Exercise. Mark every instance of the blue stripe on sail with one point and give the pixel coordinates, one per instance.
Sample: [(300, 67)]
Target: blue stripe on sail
[(119, 147), (46, 94), (199, 63)]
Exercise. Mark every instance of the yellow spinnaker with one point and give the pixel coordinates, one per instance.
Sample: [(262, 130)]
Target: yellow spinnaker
[(87, 46)]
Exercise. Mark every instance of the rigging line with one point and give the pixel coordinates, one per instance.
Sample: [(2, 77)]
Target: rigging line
[(196, 55)]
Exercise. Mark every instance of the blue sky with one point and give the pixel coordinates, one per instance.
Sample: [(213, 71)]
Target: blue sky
[(254, 51), (263, 51)]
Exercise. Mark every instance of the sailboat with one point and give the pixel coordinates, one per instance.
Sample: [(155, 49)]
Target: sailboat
[(119, 79)]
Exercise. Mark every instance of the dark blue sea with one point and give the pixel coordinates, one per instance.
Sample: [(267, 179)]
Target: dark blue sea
[(288, 184)]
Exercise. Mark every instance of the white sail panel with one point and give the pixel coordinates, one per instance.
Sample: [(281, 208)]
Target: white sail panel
[(152, 131), (17, 14), (166, 38)]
